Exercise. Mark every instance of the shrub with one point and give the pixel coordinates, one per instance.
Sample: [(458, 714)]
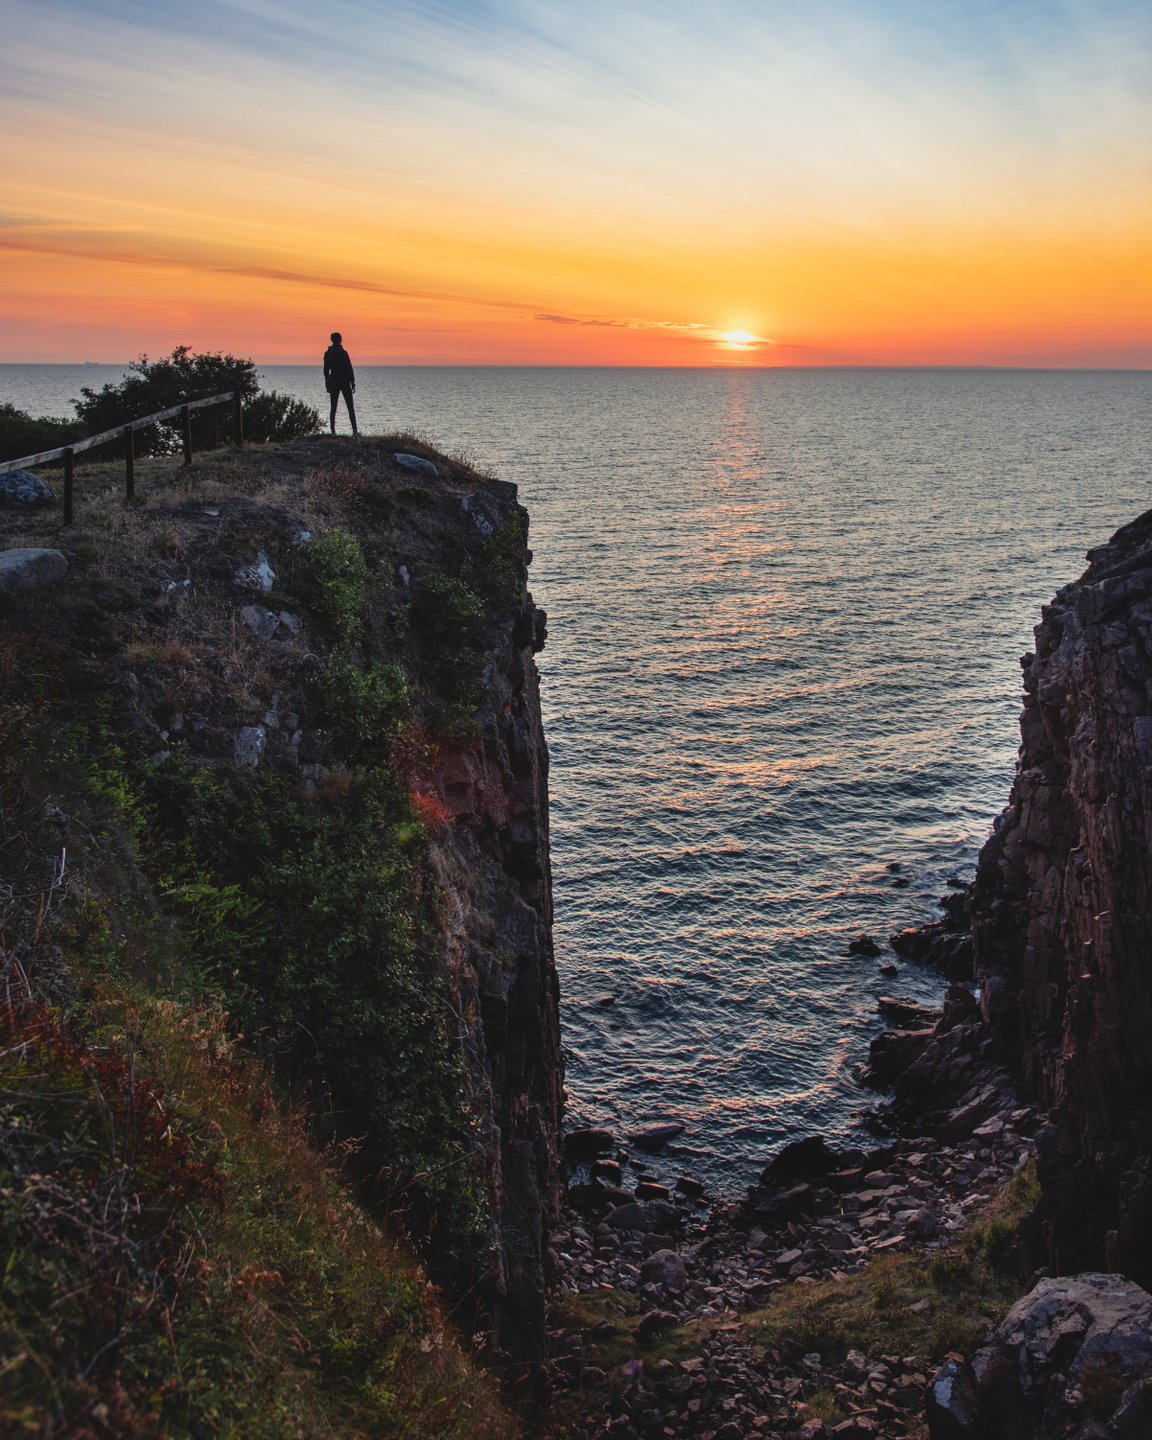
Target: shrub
[(364, 707), (271, 416), (334, 582), (21, 435)]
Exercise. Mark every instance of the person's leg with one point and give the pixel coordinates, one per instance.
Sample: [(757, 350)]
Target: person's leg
[(335, 398), (351, 407)]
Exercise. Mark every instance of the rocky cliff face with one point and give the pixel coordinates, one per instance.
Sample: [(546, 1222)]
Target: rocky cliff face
[(493, 864), (300, 683), (1062, 910)]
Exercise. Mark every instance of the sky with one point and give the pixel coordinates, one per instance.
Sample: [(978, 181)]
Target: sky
[(598, 182)]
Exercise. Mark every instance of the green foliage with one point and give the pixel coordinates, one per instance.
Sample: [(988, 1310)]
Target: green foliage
[(271, 416), (314, 920), (155, 385), (364, 706), (499, 576), (334, 582), (21, 435), (446, 617)]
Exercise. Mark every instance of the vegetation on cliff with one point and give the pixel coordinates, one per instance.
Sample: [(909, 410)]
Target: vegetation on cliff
[(232, 1095), (154, 385)]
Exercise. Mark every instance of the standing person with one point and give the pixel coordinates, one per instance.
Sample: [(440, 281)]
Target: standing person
[(340, 379)]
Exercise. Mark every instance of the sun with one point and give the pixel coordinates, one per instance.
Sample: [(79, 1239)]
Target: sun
[(739, 337)]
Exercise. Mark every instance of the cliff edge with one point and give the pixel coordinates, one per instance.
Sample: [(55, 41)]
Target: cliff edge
[(1062, 910), (273, 774)]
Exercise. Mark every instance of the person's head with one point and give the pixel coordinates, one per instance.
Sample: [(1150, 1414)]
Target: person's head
[(336, 337)]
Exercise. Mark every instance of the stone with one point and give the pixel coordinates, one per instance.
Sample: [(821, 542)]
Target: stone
[(486, 512), (292, 623), (654, 1137), (632, 1216), (865, 945), (251, 742), (257, 576), (800, 1160), (1074, 1350), (907, 1014), (666, 1269), (417, 463), (586, 1143), (655, 1323), (21, 487), (922, 1225), (261, 622), (652, 1190), (25, 568), (690, 1186)]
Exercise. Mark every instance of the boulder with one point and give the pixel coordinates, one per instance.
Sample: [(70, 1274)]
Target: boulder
[(261, 622), (907, 1014), (654, 1137), (587, 1143), (653, 1324), (251, 741), (646, 1217), (666, 1269), (1072, 1359), (20, 568), (416, 462), (21, 487), (800, 1160), (865, 945), (257, 576)]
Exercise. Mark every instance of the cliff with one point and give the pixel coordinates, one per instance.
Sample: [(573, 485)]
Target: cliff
[(273, 772), (1062, 910)]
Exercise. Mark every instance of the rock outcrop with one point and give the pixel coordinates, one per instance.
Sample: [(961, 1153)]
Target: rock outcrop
[(1072, 1359), (1062, 910)]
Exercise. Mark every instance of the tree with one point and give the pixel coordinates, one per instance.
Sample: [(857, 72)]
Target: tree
[(183, 376)]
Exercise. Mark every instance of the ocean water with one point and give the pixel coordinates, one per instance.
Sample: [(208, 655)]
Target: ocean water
[(786, 609)]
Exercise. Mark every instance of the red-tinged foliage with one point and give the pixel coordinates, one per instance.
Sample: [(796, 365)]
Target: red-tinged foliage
[(430, 809)]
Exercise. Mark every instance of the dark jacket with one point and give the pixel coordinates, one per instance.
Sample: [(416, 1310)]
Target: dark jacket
[(338, 370)]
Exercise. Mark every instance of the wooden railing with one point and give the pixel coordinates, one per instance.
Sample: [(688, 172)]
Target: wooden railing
[(67, 453)]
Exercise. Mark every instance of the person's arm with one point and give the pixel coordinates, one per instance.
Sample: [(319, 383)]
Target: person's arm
[(327, 367), (351, 374)]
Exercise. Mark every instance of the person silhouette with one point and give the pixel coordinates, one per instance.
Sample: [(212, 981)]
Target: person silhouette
[(340, 379)]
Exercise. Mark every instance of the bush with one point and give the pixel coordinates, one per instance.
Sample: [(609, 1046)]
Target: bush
[(335, 582), (272, 416), (21, 435), (364, 707)]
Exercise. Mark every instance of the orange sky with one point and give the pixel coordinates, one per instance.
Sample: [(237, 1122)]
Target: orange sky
[(848, 181)]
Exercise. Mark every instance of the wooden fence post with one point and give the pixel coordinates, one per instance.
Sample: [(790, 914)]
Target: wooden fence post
[(69, 462), (238, 401), (130, 465), (186, 421)]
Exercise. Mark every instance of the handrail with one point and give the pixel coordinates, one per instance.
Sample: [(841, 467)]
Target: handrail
[(121, 432)]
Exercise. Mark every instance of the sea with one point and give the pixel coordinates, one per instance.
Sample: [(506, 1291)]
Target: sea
[(781, 688)]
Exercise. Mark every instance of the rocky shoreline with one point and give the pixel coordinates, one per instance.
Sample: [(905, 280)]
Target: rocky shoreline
[(959, 1137)]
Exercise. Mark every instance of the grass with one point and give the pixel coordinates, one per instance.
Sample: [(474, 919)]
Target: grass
[(966, 1287)]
